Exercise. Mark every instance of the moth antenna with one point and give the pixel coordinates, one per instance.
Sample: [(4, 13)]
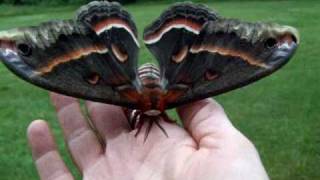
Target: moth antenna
[(161, 128), (148, 130)]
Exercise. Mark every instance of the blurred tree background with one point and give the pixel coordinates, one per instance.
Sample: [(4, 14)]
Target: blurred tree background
[(57, 2), (65, 2)]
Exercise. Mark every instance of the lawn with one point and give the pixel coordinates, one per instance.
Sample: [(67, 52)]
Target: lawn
[(280, 114)]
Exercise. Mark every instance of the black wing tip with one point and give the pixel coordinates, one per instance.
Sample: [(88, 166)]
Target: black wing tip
[(106, 9), (186, 9)]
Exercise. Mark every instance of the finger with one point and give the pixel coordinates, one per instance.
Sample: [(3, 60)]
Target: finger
[(49, 164), (109, 120), (82, 142), (204, 120)]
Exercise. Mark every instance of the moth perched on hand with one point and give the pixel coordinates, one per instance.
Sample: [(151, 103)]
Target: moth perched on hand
[(94, 57)]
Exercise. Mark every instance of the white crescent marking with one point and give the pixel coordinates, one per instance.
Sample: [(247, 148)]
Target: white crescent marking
[(121, 26), (176, 26)]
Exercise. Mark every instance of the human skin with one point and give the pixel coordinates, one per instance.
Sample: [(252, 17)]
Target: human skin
[(207, 147)]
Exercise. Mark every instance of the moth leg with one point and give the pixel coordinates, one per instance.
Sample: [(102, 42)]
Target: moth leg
[(156, 121), (148, 130), (131, 117), (140, 122)]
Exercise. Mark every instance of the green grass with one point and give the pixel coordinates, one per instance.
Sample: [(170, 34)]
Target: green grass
[(280, 114)]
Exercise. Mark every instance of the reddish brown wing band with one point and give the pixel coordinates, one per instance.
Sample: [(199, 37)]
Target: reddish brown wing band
[(202, 55), (94, 57)]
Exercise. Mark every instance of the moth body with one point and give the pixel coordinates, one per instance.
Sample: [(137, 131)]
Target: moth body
[(152, 101)]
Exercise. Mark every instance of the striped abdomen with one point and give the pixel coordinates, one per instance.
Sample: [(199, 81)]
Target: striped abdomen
[(149, 75), (152, 93)]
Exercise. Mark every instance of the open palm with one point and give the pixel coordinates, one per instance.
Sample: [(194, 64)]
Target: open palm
[(208, 147)]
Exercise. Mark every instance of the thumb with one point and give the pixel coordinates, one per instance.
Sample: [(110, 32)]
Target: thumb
[(205, 120)]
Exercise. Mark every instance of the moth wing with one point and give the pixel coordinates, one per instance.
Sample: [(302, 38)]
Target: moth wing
[(202, 54), (72, 58)]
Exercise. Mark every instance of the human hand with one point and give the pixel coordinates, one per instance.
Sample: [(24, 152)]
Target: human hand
[(207, 148)]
